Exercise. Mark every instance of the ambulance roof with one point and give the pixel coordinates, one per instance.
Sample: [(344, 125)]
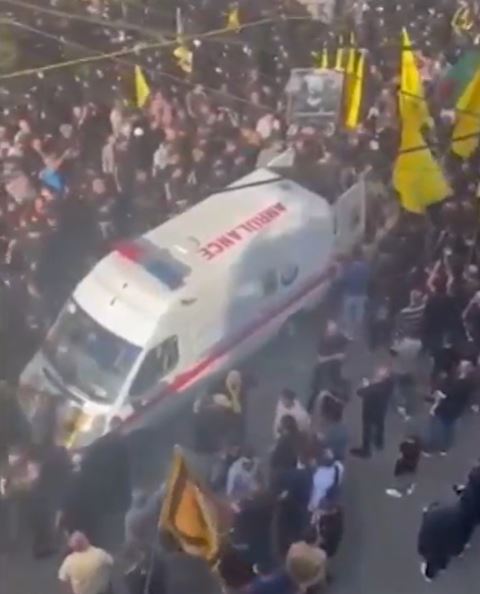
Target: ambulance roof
[(131, 288)]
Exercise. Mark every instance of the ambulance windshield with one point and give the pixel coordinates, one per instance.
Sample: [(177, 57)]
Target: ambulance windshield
[(87, 356)]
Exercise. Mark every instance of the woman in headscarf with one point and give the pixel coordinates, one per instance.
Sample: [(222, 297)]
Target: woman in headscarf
[(235, 392), (287, 449), (220, 419)]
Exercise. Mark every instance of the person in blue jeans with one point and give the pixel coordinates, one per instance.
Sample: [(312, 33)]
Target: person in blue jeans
[(451, 400), (354, 284)]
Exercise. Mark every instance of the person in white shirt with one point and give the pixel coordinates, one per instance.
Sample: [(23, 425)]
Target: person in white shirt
[(326, 480), (288, 404), (87, 569), (242, 478), (406, 363)]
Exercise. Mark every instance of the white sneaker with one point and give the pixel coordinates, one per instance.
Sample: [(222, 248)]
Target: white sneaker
[(411, 489), (423, 570), (394, 493), (402, 411)]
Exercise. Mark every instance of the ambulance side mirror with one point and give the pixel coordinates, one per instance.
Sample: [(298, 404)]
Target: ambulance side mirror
[(138, 401)]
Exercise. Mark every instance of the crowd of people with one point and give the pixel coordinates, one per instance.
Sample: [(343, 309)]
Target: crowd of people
[(428, 344), (83, 167)]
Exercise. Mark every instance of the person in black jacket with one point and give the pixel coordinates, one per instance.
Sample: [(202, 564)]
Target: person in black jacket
[(470, 493), (441, 537), (293, 491), (375, 397), (106, 468), (331, 354), (405, 469), (469, 500), (252, 530), (100, 487), (147, 574), (14, 428), (47, 495), (450, 403), (287, 448)]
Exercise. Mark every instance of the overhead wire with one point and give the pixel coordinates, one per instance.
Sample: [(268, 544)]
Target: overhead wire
[(101, 22), (63, 40), (139, 48), (142, 47), (118, 23)]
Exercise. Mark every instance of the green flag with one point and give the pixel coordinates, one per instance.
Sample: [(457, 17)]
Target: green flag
[(453, 85)]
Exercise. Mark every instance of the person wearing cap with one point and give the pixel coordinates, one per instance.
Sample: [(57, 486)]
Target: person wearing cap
[(87, 569)]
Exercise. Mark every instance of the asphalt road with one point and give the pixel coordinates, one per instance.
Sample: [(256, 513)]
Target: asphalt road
[(378, 553)]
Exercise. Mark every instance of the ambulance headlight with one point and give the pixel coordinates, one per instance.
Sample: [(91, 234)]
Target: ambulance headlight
[(94, 424)]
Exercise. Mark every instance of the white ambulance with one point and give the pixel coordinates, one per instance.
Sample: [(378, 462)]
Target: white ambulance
[(188, 299)]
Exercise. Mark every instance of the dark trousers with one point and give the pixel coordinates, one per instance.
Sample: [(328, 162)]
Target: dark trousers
[(435, 564), (373, 431), (327, 376), (379, 333), (42, 523)]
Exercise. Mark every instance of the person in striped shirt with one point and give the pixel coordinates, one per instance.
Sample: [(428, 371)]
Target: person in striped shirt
[(410, 319)]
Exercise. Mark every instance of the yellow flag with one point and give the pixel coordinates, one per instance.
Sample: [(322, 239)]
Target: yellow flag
[(187, 514), (184, 58), (340, 57), (354, 100), (142, 90), (468, 124), (352, 54), (324, 62), (349, 78), (233, 20), (320, 60), (411, 87), (417, 176)]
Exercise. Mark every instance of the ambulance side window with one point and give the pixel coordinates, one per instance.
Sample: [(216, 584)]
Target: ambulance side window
[(158, 362)]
